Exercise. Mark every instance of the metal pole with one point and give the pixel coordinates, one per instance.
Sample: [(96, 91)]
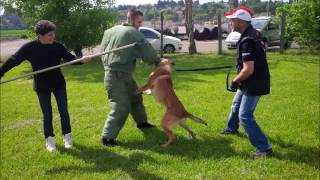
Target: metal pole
[(268, 8), (68, 63), (161, 38), (219, 33), (282, 31)]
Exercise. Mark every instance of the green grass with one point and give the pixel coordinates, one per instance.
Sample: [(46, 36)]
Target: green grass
[(289, 116), (13, 33)]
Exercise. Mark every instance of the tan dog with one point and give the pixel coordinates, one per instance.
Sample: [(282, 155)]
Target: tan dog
[(160, 85)]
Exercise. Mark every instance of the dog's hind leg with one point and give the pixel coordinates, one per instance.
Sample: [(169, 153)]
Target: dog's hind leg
[(197, 119), (184, 126), (170, 136), (167, 126)]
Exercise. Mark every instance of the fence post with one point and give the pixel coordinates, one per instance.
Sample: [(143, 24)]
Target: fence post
[(282, 31), (219, 33), (161, 38)]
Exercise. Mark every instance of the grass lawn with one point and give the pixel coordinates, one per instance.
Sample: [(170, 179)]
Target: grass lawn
[(289, 116), (13, 33)]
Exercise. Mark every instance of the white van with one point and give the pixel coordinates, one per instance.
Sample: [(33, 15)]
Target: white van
[(269, 28), (170, 44)]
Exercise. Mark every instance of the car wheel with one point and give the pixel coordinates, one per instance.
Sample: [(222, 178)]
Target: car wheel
[(224, 35), (169, 48)]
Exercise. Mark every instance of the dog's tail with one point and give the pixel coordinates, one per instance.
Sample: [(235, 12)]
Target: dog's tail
[(197, 119)]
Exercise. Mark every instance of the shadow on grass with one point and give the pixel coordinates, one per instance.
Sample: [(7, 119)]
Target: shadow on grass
[(297, 153), (294, 152), (102, 160), (200, 148)]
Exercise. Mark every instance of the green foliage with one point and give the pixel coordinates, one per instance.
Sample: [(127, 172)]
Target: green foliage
[(151, 13), (207, 11), (170, 14), (303, 22), (262, 7), (13, 33), (233, 3), (80, 23), (289, 116)]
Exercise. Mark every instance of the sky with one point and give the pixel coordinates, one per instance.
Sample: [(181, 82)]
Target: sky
[(137, 2)]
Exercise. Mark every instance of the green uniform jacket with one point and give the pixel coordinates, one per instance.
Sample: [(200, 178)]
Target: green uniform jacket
[(125, 60)]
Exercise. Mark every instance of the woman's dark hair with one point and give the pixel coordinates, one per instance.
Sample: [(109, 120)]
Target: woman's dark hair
[(44, 26)]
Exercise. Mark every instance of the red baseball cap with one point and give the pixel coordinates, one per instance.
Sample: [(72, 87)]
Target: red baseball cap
[(241, 12)]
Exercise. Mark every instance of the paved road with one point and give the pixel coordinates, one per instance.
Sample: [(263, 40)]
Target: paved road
[(203, 46), (8, 48)]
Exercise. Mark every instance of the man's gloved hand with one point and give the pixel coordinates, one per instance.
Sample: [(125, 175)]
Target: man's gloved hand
[(234, 86)]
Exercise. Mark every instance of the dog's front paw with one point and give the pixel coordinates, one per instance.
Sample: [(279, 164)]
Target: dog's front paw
[(148, 92), (193, 136), (165, 145)]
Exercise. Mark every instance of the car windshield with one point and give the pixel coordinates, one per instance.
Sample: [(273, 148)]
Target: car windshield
[(149, 34), (259, 23)]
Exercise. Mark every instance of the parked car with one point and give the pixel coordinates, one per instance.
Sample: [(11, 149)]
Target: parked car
[(170, 44), (269, 28)]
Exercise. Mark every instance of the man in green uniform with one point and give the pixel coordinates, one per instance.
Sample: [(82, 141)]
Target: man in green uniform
[(119, 67)]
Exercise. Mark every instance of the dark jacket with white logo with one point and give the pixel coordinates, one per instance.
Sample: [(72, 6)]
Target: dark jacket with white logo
[(250, 48)]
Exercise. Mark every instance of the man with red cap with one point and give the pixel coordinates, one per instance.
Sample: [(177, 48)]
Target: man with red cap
[(251, 82)]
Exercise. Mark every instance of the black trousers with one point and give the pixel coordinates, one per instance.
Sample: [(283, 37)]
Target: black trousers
[(46, 107)]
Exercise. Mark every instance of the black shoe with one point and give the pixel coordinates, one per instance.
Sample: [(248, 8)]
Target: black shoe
[(145, 126), (227, 132), (261, 154), (109, 142)]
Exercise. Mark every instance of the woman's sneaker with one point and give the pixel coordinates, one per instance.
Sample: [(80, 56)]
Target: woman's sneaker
[(50, 144), (67, 141)]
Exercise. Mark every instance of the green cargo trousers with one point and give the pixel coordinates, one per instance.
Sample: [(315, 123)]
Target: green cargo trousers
[(121, 90)]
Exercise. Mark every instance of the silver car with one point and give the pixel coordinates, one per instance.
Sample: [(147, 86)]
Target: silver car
[(269, 28), (170, 44)]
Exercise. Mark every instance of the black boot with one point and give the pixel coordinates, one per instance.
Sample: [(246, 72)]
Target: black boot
[(145, 125), (109, 142)]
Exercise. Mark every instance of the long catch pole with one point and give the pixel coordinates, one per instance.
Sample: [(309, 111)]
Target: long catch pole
[(67, 63)]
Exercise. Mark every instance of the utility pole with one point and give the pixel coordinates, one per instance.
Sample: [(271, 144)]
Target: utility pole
[(268, 8), (154, 17), (161, 38), (219, 33)]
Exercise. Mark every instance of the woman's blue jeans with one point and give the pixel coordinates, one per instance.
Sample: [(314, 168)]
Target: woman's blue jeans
[(242, 109), (45, 103)]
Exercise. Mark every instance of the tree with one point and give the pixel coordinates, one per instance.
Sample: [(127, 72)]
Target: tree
[(234, 3), (189, 27), (180, 4), (80, 23), (171, 15), (303, 22), (151, 13)]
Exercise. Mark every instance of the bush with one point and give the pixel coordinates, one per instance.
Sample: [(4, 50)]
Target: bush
[(303, 22)]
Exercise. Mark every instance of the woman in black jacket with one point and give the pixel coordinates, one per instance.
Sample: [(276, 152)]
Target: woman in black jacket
[(43, 53)]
